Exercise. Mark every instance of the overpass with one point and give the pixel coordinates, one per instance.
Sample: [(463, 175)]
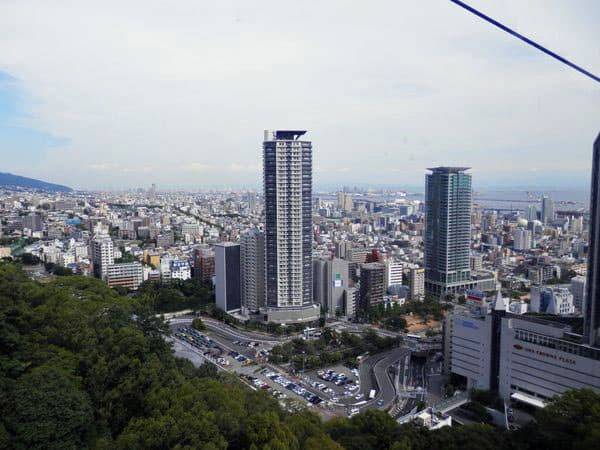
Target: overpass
[(450, 403)]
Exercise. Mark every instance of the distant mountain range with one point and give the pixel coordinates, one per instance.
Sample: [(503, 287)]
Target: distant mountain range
[(8, 180)]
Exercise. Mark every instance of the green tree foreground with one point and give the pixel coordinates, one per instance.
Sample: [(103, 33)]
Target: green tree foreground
[(82, 367)]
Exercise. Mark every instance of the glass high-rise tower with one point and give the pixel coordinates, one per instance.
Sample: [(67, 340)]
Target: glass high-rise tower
[(447, 230), (287, 176), (592, 298)]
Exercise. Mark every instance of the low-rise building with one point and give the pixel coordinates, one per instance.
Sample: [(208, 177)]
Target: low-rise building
[(127, 275)]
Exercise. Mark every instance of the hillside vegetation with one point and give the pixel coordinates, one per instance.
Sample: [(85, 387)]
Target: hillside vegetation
[(82, 367)]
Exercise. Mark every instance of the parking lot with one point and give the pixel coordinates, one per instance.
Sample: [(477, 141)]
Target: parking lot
[(272, 382), (339, 384)]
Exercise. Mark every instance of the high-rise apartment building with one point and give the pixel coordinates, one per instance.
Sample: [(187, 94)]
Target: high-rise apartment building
[(252, 262), (592, 303), (532, 213), (372, 285), (521, 239), (547, 210), (227, 276), (417, 283), (287, 179), (102, 255), (447, 230), (393, 273), (345, 201), (341, 248)]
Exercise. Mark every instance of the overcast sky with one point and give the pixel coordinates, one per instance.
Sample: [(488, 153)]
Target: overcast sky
[(117, 94)]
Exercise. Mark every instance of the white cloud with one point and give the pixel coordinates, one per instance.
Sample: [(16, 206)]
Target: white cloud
[(196, 167), (156, 84), (244, 168), (100, 167)]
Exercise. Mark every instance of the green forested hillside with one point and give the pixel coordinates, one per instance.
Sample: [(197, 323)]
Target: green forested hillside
[(82, 367)]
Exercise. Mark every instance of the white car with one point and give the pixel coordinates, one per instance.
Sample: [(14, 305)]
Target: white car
[(359, 396)]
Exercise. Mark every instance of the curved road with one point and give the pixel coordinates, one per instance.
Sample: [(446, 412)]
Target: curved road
[(221, 328), (374, 375)]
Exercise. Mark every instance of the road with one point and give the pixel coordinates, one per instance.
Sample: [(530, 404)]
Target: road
[(220, 328), (374, 374), (375, 371)]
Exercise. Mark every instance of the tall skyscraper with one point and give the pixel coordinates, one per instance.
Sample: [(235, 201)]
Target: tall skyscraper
[(287, 178), (252, 261), (547, 210), (227, 276), (532, 213), (592, 298), (447, 230)]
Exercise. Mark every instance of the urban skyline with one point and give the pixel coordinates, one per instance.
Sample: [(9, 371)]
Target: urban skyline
[(172, 97), (417, 267)]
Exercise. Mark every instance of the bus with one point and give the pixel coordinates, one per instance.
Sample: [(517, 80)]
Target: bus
[(414, 337), (372, 394)]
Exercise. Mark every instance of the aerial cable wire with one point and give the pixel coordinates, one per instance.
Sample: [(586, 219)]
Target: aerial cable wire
[(526, 40)]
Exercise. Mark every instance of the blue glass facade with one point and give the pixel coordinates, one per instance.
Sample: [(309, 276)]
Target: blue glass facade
[(447, 229)]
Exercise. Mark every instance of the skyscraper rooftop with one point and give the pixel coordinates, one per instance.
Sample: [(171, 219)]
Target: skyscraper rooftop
[(445, 169)]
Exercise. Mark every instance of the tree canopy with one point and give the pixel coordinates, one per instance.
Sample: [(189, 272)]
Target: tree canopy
[(82, 367)]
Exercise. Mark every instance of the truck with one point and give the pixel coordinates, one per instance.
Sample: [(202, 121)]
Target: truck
[(372, 394)]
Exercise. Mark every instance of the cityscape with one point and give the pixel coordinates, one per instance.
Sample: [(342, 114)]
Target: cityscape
[(275, 303), (449, 298)]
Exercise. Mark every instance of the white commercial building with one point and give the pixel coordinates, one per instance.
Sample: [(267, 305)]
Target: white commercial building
[(524, 358), (540, 359), (393, 273), (552, 300), (180, 270)]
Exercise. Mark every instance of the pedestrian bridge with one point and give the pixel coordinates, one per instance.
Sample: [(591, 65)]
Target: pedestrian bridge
[(450, 403)]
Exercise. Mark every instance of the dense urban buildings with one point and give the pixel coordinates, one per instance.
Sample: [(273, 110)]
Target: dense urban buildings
[(287, 172)]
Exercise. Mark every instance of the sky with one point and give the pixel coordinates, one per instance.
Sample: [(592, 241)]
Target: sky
[(121, 94)]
